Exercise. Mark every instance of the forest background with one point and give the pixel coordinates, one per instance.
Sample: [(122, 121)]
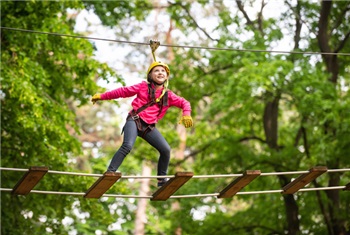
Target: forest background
[(253, 109)]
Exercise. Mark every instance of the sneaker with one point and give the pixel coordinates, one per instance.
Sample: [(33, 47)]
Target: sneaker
[(108, 172), (162, 182)]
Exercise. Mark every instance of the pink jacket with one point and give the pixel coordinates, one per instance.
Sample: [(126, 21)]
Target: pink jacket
[(150, 114)]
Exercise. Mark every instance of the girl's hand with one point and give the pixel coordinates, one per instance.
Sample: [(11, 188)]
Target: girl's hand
[(187, 121), (95, 98)]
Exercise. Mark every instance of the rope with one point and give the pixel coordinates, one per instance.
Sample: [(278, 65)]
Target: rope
[(216, 176), (172, 176), (178, 196), (177, 46)]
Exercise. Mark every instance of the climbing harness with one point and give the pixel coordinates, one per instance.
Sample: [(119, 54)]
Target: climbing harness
[(143, 127)]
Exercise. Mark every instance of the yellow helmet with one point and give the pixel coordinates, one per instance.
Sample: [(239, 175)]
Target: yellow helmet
[(158, 63)]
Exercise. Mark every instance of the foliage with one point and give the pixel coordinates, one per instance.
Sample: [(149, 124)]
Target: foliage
[(252, 109), (41, 76)]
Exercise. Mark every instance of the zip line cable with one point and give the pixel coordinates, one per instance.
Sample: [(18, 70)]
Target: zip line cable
[(176, 46), (171, 176)]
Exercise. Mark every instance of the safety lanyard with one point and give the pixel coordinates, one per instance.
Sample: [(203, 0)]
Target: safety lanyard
[(163, 101)]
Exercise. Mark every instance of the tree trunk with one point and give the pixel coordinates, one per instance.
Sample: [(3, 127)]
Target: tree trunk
[(270, 122), (332, 66), (292, 212), (141, 217), (271, 134), (179, 155), (323, 37), (292, 209), (337, 225)]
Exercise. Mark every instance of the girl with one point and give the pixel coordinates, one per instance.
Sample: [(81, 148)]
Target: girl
[(149, 106)]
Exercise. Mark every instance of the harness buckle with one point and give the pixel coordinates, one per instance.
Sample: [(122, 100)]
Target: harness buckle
[(134, 117)]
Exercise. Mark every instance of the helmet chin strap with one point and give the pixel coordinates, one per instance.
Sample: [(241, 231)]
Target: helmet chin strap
[(165, 83), (159, 84)]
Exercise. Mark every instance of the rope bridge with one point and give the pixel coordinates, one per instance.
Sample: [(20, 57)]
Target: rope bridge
[(105, 181)]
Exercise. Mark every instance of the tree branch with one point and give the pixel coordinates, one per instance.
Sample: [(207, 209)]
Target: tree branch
[(206, 146), (260, 17), (241, 8), (252, 138), (326, 217), (340, 18), (194, 21), (342, 42), (298, 23), (193, 154)]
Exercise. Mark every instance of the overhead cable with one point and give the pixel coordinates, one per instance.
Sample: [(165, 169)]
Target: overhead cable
[(177, 46)]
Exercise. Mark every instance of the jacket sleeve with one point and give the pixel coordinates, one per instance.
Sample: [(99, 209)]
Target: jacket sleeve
[(180, 102), (122, 92)]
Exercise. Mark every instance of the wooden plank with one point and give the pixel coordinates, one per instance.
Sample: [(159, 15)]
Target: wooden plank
[(170, 187), (347, 187), (29, 180), (239, 183), (102, 184), (304, 179)]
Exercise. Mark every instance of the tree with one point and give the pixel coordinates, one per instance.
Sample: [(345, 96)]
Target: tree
[(266, 108), (41, 76), (252, 110)]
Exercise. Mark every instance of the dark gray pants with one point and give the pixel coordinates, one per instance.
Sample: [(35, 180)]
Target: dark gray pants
[(154, 138)]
